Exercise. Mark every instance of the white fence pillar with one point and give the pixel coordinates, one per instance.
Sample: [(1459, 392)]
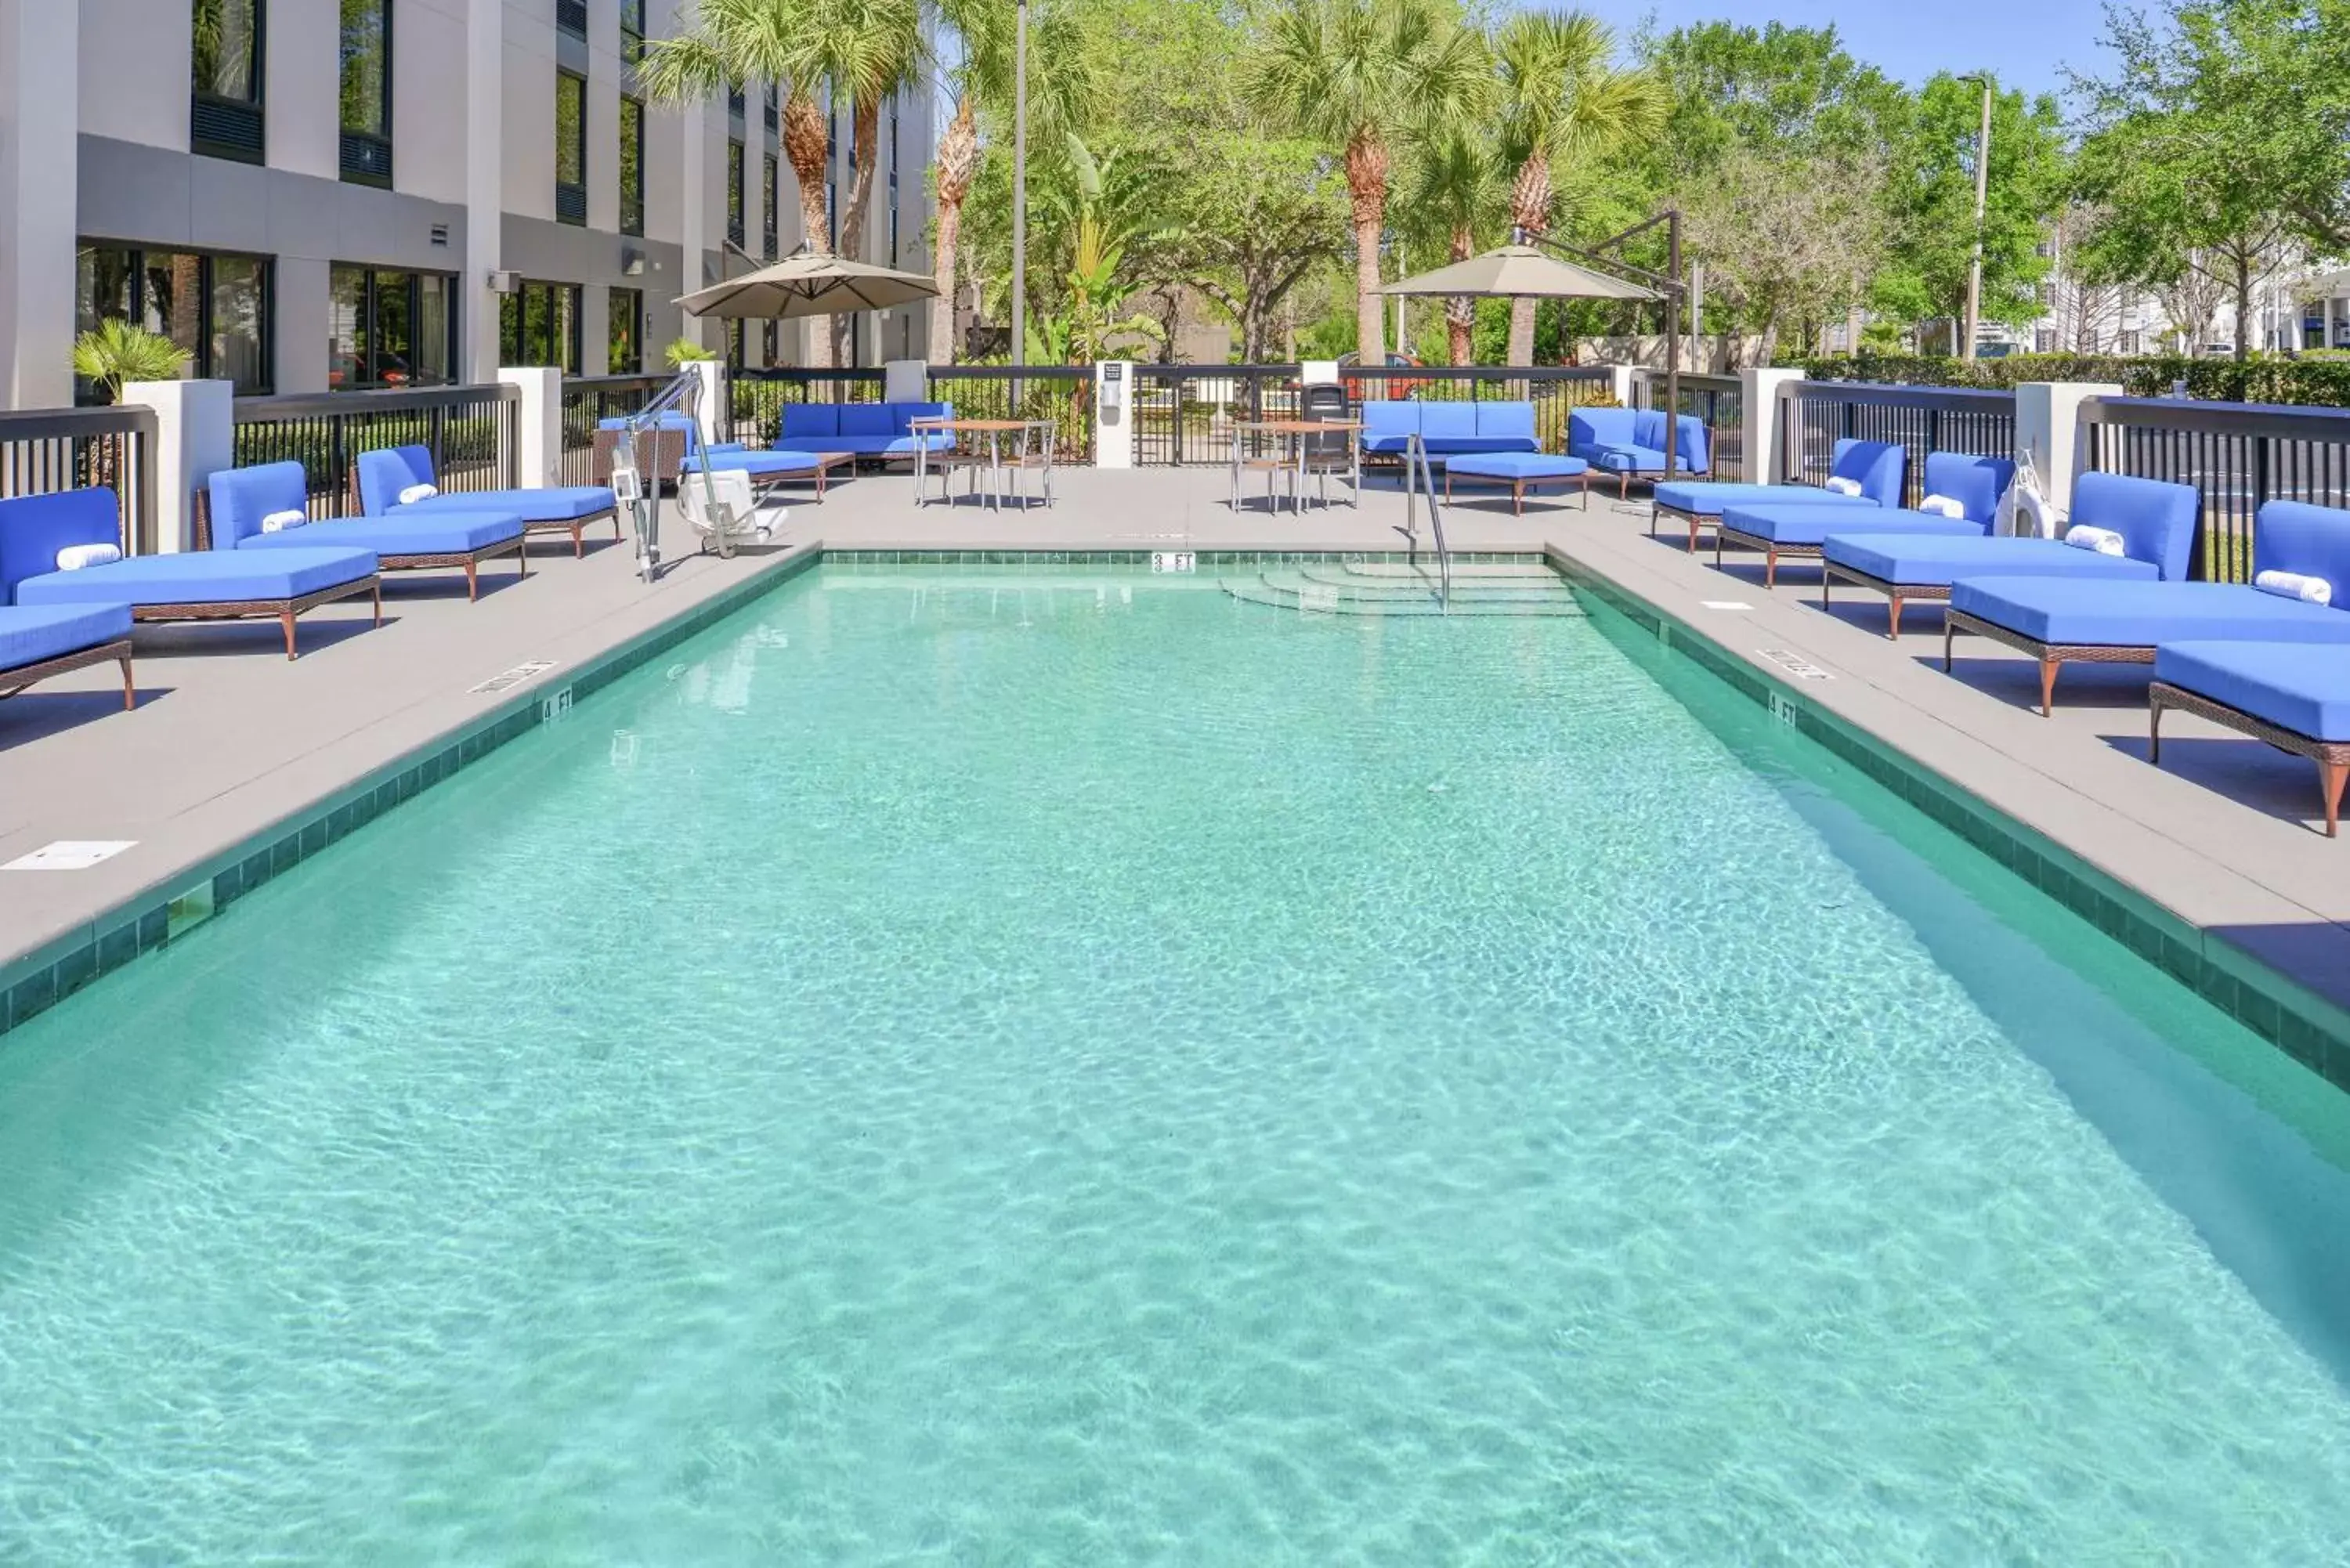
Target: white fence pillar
[(1619, 380), (538, 424), (715, 418), (195, 437), (1764, 441), (1114, 415), (905, 381), (2047, 426)]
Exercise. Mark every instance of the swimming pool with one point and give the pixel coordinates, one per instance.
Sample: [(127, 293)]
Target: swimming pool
[(1065, 1067)]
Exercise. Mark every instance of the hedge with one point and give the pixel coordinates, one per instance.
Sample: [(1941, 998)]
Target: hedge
[(2319, 380)]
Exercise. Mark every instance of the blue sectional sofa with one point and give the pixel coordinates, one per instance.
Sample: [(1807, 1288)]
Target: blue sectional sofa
[(1630, 444), (1798, 528), (413, 538), (2106, 622), (379, 476), (192, 584), (1448, 430), (862, 429)]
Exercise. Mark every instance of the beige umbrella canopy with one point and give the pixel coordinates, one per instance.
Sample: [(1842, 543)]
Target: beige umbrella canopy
[(808, 284), (1520, 272)]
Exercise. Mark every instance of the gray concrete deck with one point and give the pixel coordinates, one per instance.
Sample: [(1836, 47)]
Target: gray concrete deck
[(229, 741)]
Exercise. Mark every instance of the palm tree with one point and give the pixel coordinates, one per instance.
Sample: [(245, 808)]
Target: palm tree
[(1357, 73), (116, 351), (1060, 96), (1563, 98), (1454, 189), (864, 50)]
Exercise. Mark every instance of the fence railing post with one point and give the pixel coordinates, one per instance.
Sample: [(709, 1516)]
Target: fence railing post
[(538, 423), (193, 437)]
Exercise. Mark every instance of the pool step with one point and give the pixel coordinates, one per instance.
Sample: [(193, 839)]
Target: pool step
[(1332, 590)]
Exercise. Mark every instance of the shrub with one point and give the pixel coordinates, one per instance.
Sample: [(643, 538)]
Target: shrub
[(2309, 380)]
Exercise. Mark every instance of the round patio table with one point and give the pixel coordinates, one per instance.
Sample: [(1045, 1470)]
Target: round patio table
[(994, 429)]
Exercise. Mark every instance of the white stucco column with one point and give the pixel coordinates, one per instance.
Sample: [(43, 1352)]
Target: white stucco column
[(1620, 379), (195, 432), (1758, 392), (484, 68), (539, 423), (2047, 429), (1114, 415), (711, 414), (40, 121)]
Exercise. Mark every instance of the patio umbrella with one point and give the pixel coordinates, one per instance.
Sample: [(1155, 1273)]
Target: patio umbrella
[(1515, 272), (808, 284)]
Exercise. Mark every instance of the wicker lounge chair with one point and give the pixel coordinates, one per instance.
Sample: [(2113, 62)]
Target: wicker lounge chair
[(230, 513), (1880, 468), (1782, 530), (379, 476), (37, 641)]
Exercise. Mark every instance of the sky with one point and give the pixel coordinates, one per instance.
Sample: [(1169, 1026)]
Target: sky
[(2026, 42)]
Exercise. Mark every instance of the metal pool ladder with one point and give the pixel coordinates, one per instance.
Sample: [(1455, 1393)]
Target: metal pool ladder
[(1419, 479)]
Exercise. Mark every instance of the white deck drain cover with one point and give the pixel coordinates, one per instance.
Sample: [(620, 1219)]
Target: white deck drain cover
[(1726, 604), (70, 854), (1801, 669), (514, 676)]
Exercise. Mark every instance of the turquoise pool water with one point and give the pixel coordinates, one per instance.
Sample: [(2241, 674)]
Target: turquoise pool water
[(1070, 1069)]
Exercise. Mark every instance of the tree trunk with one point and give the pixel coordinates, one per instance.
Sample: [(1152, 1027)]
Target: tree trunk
[(958, 164), (867, 120), (807, 139), (1460, 311), (2243, 299), (1530, 203), (1367, 188)]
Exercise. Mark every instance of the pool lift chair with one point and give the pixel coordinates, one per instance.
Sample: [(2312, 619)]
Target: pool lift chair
[(721, 507)]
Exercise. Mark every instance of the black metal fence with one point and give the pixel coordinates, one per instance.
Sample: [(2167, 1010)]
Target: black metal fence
[(1063, 394), (44, 450), (1191, 413), (472, 433), (2237, 455), (1815, 415), (589, 399), (1719, 403)]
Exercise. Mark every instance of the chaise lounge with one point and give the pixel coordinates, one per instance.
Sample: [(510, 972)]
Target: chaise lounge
[(192, 584), (2061, 620), (1880, 469), (37, 641), (2155, 521), (1796, 529), (1630, 444), (2292, 696), (238, 503), (380, 477)]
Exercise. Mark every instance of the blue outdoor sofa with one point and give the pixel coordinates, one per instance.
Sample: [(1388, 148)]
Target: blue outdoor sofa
[(2292, 696), (1630, 444), (862, 429), (1797, 528), (379, 476), (1447, 429), (192, 585), (2155, 520), (414, 538), (1881, 469), (2123, 621), (37, 641)]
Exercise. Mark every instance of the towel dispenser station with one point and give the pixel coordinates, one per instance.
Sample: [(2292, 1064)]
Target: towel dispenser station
[(1114, 415)]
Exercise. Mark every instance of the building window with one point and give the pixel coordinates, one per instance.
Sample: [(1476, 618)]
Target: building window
[(218, 307), (770, 204), (571, 16), (367, 91), (387, 328), (224, 112), (626, 355), (570, 148), (633, 166), (632, 32), (771, 109), (734, 339), (893, 181), (772, 343), (538, 324), (735, 191)]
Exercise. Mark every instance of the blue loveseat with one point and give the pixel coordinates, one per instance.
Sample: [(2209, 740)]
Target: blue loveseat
[(865, 429), (1448, 430), (1630, 443)]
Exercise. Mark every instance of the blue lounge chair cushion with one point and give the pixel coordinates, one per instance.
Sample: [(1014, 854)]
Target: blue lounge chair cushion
[(903, 415), (1389, 424), (32, 634), (866, 420), (1707, 498), (2155, 518), (1975, 483), (1808, 522), (2315, 540), (2104, 613), (1510, 423), (1918, 561), (752, 463), (1642, 459), (409, 531), (202, 577), (1880, 468), (1449, 427), (1527, 465), (2297, 688), (34, 528), (386, 471)]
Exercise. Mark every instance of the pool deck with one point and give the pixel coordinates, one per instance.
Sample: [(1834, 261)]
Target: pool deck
[(230, 740)]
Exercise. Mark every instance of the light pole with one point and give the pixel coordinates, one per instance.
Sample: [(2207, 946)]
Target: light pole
[(1019, 201), (1983, 188)]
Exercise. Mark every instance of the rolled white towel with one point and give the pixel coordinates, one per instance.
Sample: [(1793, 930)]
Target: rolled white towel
[(279, 522), (416, 493), (2295, 586), (2104, 541), (1841, 485), (74, 558), (1943, 506)]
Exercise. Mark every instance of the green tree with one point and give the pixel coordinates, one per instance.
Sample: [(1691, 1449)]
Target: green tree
[(1454, 189), (1565, 101), (1790, 237), (1776, 88), (1358, 76), (116, 351)]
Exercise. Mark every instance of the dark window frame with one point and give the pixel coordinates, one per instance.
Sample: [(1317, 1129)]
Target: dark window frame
[(771, 182), (201, 366), (231, 128), (517, 306), (366, 154), (571, 195), (632, 202), (737, 189), (371, 294), (632, 32), (615, 311)]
